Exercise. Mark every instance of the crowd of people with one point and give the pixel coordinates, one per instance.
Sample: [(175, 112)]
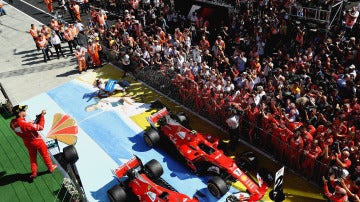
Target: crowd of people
[(267, 78)]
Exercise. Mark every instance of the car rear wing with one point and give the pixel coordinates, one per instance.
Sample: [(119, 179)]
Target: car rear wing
[(120, 171), (153, 119)]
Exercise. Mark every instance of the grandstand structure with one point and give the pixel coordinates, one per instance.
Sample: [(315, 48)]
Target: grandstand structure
[(322, 16)]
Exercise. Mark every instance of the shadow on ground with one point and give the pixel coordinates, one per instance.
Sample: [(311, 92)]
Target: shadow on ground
[(17, 177)]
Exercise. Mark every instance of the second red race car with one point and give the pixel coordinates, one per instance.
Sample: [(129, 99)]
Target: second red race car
[(143, 183), (201, 154)]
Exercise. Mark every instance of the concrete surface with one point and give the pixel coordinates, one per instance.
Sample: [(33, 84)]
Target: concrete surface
[(23, 73)]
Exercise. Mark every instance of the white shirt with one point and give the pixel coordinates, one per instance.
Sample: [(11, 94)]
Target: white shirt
[(233, 122), (79, 26), (258, 97), (55, 40)]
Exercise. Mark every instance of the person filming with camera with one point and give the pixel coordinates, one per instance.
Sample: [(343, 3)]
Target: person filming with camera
[(28, 131)]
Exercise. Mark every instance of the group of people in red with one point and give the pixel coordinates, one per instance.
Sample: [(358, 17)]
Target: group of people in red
[(295, 91)]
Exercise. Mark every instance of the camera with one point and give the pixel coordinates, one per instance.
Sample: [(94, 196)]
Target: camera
[(334, 147), (37, 119)]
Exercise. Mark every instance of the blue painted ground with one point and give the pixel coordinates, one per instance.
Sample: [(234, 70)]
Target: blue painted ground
[(111, 134)]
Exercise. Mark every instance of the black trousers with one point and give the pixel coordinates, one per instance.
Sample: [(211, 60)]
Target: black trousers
[(45, 52), (233, 136), (58, 49), (72, 45)]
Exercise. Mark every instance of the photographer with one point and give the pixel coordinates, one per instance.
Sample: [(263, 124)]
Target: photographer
[(338, 196), (33, 141), (342, 158)]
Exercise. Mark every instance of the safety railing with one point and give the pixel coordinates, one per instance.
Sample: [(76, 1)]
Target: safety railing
[(315, 14)]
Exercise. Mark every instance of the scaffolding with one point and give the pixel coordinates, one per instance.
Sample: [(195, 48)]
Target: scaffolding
[(323, 17)]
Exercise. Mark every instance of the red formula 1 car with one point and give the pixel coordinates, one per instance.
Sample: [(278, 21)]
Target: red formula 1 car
[(201, 153), (144, 183)]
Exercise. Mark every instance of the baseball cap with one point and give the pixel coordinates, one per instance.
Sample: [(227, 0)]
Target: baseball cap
[(18, 108)]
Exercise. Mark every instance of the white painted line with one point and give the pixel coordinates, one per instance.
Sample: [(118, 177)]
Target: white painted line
[(20, 11), (28, 14), (36, 8)]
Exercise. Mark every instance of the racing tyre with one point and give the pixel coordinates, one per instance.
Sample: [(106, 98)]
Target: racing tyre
[(154, 169), (182, 119), (117, 194), (280, 196), (247, 161), (266, 176), (151, 137), (217, 186), (70, 154)]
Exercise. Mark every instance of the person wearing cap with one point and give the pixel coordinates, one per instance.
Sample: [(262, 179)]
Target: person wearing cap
[(93, 50), (80, 56), (126, 64), (220, 43), (339, 195), (74, 32), (70, 39), (28, 131)]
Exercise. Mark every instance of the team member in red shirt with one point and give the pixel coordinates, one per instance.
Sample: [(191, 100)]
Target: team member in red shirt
[(342, 159), (311, 153), (252, 113), (338, 196), (295, 149), (33, 141)]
